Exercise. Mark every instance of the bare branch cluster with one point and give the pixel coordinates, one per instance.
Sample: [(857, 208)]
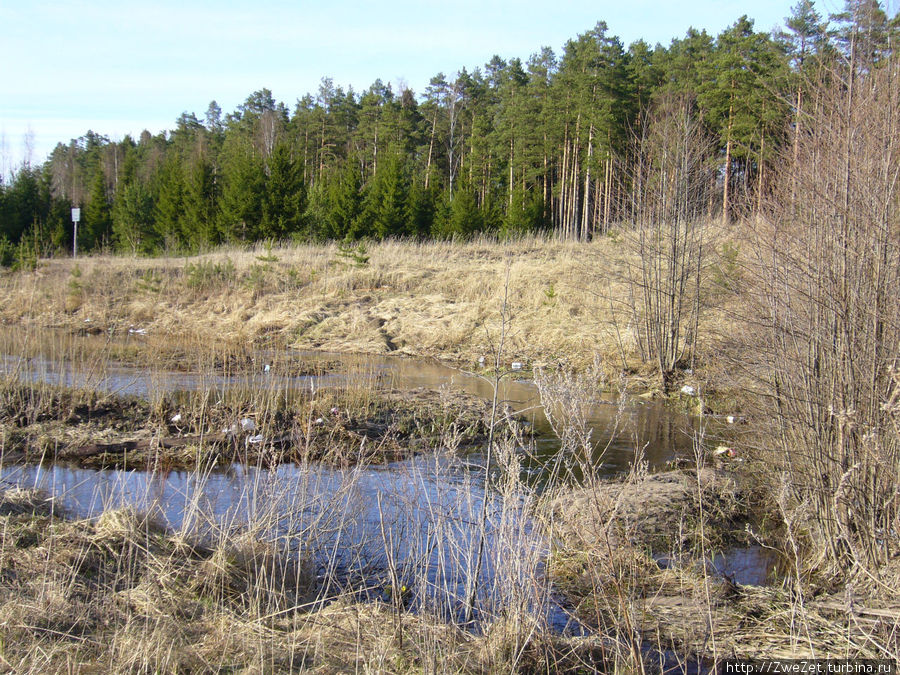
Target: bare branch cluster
[(674, 181), (829, 256)]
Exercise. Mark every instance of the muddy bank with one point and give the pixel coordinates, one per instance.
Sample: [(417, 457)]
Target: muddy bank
[(48, 423), (653, 512), (629, 555)]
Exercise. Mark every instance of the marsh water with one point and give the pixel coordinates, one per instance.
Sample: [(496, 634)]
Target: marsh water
[(413, 522), (356, 527), (618, 429)]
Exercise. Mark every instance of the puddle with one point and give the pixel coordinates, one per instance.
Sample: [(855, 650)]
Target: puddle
[(747, 566), (744, 565)]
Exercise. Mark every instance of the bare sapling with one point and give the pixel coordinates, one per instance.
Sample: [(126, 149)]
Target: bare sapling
[(673, 173), (499, 371), (567, 399)]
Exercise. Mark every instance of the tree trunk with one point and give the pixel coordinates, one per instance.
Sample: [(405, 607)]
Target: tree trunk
[(375, 154), (761, 169), (430, 149), (606, 200), (563, 187), (797, 116), (726, 203), (510, 172), (585, 210)]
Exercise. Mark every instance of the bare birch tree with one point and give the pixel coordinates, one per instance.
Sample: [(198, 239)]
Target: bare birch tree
[(673, 172)]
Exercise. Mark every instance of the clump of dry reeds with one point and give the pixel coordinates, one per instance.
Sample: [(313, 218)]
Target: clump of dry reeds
[(636, 557)]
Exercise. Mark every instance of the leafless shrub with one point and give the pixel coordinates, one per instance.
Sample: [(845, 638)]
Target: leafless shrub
[(828, 284), (672, 181)]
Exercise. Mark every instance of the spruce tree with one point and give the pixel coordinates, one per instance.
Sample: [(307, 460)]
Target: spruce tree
[(284, 197), (132, 215), (240, 203), (385, 210), (343, 200), (97, 222), (200, 198), (169, 204)]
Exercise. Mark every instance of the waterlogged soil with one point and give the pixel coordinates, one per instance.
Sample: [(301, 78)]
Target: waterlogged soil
[(225, 358), (108, 431), (152, 364)]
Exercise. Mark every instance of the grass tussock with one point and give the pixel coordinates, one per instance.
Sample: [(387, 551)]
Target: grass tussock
[(640, 559), (119, 593)]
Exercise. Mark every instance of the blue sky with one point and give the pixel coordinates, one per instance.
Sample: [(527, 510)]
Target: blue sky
[(119, 67)]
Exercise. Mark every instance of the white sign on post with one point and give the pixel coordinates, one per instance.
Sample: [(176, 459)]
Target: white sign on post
[(76, 216)]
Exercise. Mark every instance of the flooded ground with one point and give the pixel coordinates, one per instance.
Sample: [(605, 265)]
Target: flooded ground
[(427, 524), (618, 429), (418, 519)]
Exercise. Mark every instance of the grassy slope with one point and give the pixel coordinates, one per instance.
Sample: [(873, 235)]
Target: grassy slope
[(434, 299)]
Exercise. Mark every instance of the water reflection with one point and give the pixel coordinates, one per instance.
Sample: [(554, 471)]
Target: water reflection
[(421, 517), (660, 433)]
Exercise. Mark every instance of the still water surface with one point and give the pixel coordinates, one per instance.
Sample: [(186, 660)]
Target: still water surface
[(419, 517)]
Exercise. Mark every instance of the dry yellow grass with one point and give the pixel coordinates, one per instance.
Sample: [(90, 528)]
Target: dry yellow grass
[(120, 594), (607, 533), (433, 299)]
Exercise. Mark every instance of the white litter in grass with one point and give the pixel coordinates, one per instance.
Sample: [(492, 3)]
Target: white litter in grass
[(247, 424), (688, 390), (724, 450)]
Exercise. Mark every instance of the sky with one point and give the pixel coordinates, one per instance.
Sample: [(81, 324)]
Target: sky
[(119, 67)]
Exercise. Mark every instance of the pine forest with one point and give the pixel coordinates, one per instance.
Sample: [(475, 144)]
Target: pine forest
[(560, 143)]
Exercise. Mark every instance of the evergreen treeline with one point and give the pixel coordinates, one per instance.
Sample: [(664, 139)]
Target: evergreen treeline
[(547, 144)]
